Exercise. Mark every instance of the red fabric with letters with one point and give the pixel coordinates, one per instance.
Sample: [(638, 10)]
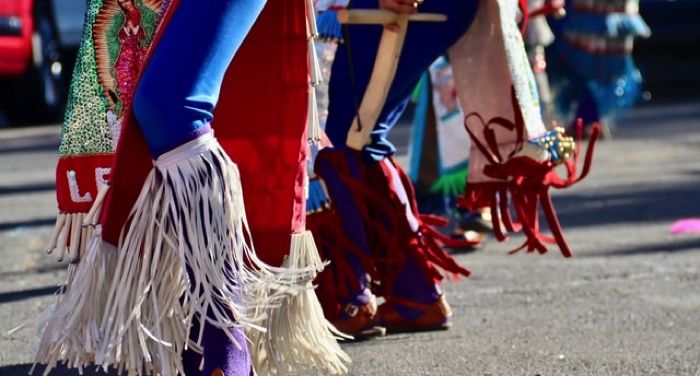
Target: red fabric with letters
[(82, 173)]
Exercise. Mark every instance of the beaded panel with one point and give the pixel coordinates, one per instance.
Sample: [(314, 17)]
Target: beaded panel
[(115, 42)]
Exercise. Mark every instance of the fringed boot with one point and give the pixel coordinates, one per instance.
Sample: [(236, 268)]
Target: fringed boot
[(390, 243)]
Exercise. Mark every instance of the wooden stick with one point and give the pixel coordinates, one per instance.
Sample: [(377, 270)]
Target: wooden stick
[(383, 17), (385, 66)]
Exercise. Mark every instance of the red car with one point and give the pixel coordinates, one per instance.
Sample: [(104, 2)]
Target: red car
[(32, 74), (16, 25)]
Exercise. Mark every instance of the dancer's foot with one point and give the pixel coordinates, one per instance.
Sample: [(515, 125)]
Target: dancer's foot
[(435, 316), (476, 238), (360, 322), (479, 221)]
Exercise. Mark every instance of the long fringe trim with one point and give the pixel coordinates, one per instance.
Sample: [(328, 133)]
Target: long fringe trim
[(70, 334), (73, 232), (298, 336), (185, 256), (71, 326)]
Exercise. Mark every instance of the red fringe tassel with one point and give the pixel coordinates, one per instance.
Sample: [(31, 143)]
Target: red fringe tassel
[(390, 237), (525, 184)]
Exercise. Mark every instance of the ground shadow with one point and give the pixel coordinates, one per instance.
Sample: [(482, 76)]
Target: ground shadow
[(51, 268), (662, 203), (23, 370), (678, 245), (643, 123), (28, 223), (29, 188), (630, 206), (51, 145), (13, 296)]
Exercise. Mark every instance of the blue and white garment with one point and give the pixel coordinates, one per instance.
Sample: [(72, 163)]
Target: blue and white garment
[(593, 54)]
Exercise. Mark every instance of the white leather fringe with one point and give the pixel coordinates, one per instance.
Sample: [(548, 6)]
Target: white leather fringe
[(185, 256), (71, 326), (73, 232), (299, 337)]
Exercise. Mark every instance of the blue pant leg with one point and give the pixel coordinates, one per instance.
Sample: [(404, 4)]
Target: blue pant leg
[(351, 220), (424, 43), (175, 99)]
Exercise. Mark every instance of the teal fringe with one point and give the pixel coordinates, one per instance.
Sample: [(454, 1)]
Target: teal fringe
[(329, 29), (452, 184), (318, 199)]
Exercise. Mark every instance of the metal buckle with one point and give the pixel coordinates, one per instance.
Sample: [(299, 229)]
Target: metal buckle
[(352, 310)]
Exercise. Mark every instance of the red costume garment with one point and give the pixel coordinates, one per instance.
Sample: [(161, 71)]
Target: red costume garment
[(174, 245)]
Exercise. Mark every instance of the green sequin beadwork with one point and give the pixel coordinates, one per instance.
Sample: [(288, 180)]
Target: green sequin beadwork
[(85, 128)]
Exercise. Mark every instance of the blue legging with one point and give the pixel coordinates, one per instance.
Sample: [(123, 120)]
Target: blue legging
[(425, 42), (180, 87), (174, 103)]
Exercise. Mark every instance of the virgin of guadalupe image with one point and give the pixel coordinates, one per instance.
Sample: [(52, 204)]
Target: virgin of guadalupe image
[(122, 32), (131, 38)]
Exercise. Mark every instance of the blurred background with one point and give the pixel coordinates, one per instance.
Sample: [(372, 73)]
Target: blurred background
[(670, 58), (39, 41), (627, 304), (38, 44)]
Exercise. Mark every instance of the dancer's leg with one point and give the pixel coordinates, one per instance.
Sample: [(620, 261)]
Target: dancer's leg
[(424, 43), (174, 103), (179, 89)]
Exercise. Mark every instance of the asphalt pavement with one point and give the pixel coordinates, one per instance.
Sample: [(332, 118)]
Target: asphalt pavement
[(628, 303)]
